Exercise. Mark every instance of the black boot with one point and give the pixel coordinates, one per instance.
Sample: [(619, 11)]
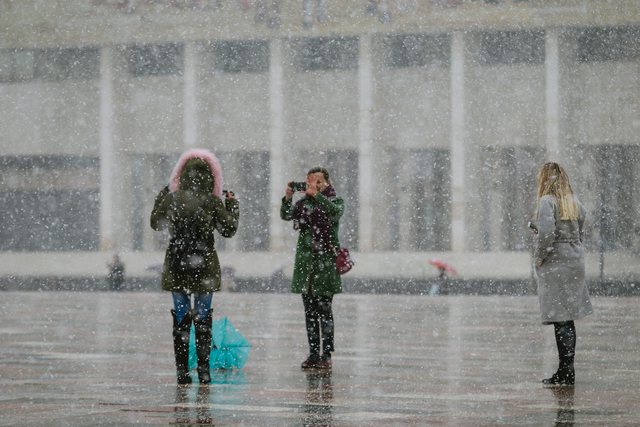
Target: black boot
[(566, 341), (181, 333), (203, 346), (312, 323)]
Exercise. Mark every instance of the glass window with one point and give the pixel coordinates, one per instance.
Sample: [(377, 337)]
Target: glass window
[(69, 63), (508, 194), (248, 56), (24, 64), (417, 50), (252, 188), (325, 53), (78, 63), (512, 47), (49, 203), (615, 191), (608, 44), (430, 199), (149, 174), (17, 65), (247, 174), (343, 169), (155, 59)]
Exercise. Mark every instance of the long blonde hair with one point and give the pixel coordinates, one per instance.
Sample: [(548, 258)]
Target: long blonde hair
[(554, 181)]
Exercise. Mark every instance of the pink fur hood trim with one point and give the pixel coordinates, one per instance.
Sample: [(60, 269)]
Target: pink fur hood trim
[(209, 158)]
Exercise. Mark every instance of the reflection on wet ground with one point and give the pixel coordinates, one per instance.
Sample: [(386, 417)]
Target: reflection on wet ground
[(76, 358), (318, 403), (566, 414)]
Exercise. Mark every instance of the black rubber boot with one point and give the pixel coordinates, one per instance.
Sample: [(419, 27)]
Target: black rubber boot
[(203, 346), (181, 334), (566, 341)]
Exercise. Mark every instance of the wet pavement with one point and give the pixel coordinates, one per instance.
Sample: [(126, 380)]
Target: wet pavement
[(91, 358)]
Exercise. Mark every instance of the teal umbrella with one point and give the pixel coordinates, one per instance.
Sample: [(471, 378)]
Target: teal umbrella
[(230, 348)]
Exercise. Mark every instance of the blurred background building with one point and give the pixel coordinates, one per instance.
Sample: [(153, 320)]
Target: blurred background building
[(432, 116)]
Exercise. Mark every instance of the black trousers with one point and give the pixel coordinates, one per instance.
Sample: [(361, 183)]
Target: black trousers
[(565, 333), (319, 321)]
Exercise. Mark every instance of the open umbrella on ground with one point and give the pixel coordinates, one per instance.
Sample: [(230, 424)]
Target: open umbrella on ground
[(230, 348)]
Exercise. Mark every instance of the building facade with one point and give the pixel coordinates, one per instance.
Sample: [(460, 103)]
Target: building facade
[(432, 116)]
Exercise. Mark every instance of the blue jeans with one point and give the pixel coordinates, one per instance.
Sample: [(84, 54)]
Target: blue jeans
[(182, 304)]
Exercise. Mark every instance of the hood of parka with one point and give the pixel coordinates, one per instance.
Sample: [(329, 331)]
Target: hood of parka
[(196, 177), (197, 171)]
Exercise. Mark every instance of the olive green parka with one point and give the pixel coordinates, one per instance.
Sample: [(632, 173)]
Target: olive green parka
[(192, 212)]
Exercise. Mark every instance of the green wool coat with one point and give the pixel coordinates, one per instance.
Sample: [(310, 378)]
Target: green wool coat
[(314, 271), (210, 214)]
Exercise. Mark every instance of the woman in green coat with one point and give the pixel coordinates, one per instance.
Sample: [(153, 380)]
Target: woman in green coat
[(316, 216), (191, 206)]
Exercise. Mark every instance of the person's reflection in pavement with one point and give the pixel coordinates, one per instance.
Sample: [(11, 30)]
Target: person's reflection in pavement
[(203, 410), (565, 414), (318, 405), (180, 409), (184, 405)]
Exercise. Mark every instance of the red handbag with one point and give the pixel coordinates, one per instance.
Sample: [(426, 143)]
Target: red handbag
[(344, 262)]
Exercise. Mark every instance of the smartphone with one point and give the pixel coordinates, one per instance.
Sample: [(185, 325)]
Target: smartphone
[(298, 186)]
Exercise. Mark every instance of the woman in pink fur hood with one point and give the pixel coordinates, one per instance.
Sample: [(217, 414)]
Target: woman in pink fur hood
[(192, 208)]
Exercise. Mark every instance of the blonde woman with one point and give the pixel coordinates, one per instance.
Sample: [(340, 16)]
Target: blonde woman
[(560, 270)]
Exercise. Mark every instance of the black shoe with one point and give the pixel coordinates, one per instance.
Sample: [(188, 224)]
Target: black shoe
[(311, 362), (561, 378), (184, 378)]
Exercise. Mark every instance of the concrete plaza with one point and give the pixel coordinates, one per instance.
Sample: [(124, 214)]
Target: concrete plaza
[(105, 358)]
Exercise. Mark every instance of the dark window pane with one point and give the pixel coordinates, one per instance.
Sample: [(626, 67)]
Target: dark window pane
[(616, 210), (324, 53), (248, 56), (49, 64), (343, 170), (254, 186), (70, 63), (608, 44), (418, 50), (430, 199), (512, 47), (51, 203), (507, 191), (50, 220), (155, 59), (17, 65)]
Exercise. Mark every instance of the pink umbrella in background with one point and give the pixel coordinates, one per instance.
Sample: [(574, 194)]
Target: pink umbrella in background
[(444, 268)]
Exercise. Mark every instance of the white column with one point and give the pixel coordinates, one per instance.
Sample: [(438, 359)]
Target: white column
[(365, 147), (458, 243), (552, 94), (190, 121), (106, 149), (276, 144)]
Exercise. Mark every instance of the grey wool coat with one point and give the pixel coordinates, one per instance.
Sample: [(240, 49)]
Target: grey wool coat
[(562, 290)]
